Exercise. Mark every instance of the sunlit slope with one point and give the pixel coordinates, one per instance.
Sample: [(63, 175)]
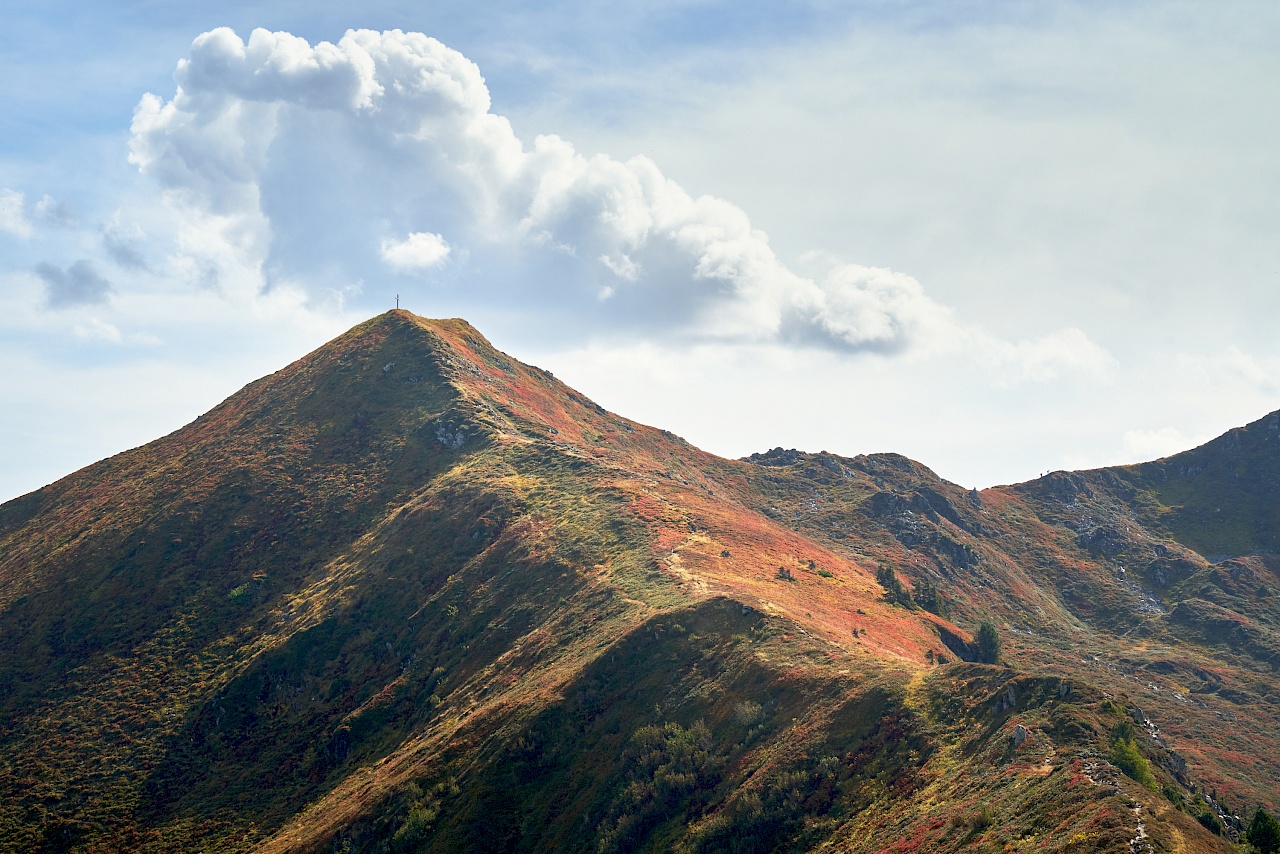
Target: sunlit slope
[(411, 594)]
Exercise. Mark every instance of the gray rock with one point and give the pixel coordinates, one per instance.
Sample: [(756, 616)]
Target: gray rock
[(450, 436)]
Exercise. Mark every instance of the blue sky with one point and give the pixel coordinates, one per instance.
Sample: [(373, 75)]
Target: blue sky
[(1001, 238)]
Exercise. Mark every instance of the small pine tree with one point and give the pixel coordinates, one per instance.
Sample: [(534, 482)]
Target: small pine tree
[(886, 579), (988, 643), (1264, 832), (1126, 756), (1123, 731)]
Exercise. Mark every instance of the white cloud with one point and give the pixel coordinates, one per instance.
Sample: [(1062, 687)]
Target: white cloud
[(1068, 351), (1153, 444), (622, 267), (1094, 164), (13, 217), (94, 329), (419, 251), (876, 308), (274, 153), (1240, 367)]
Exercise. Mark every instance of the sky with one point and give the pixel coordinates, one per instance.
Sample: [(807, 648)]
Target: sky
[(1001, 238)]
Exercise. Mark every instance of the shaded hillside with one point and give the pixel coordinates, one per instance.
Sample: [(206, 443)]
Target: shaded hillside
[(1221, 499), (409, 594)]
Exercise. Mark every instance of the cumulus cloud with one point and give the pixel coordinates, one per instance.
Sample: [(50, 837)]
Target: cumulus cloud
[(285, 161), (13, 216), (877, 309), (418, 251), (76, 285)]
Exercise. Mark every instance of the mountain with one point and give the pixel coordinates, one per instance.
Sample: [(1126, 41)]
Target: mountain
[(410, 594)]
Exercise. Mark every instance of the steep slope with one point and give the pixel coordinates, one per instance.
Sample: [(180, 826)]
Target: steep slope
[(133, 585), (411, 594), (1221, 499), (1186, 547)]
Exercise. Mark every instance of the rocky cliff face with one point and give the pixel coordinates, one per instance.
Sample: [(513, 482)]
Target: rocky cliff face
[(409, 594)]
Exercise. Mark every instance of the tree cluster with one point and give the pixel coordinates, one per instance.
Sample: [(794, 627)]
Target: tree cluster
[(926, 595), (893, 589)]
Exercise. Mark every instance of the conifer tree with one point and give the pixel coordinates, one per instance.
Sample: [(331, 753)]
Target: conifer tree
[(1264, 832), (988, 643)]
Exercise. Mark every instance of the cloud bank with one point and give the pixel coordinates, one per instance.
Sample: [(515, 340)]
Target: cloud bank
[(288, 164)]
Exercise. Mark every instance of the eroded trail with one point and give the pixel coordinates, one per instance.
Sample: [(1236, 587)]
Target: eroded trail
[(1140, 844)]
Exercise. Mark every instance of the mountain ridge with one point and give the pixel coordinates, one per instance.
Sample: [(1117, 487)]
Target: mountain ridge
[(409, 581)]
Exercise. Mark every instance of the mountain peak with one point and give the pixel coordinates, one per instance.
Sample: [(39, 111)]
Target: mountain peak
[(409, 593)]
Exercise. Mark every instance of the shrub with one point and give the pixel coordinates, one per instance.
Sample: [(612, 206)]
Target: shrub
[(747, 712), (1210, 823), (983, 819), (670, 772), (416, 828), (423, 810), (1126, 756)]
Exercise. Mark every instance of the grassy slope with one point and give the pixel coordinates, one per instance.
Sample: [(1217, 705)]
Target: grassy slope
[(408, 579), (1193, 538), (133, 588), (1221, 499)]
